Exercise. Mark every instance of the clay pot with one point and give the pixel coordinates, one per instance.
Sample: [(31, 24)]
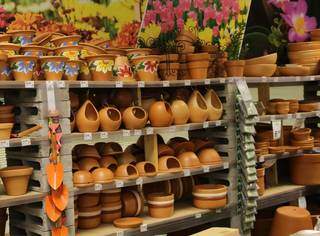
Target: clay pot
[(64, 41), (88, 164), (260, 181), (53, 67), (135, 117), (209, 156), (169, 71), (126, 172), (202, 144), (198, 57), (301, 134), (88, 199), (109, 162), (276, 150), (88, 151), (87, 118), (101, 67), (293, 70), (214, 105), (21, 37), (189, 160), (305, 170), (293, 105), (34, 50), (198, 108), (169, 164), (180, 112), (135, 52), (176, 188), (102, 175), (146, 168), (122, 69), (132, 203), (183, 73), (84, 72), (305, 144), (22, 67), (307, 106), (169, 58), (160, 205), (128, 222), (75, 167), (146, 67), (160, 114), (198, 69), (111, 211), (146, 103), (70, 52), (5, 38), (165, 150), (5, 130), (289, 220), (282, 107), (16, 179), (110, 119), (188, 185), (72, 70), (267, 59), (9, 49), (209, 196), (111, 148), (82, 178), (7, 118), (235, 68), (180, 145), (260, 70), (88, 49), (126, 158), (6, 109), (4, 68), (89, 217), (123, 98)]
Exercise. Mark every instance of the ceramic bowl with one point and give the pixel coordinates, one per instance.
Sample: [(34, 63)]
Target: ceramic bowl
[(268, 59), (126, 158), (169, 164), (87, 151), (89, 217), (209, 196), (88, 164), (128, 222), (209, 156), (102, 175), (126, 172), (132, 203), (294, 70), (165, 150), (301, 134), (146, 168), (189, 160), (82, 178), (160, 205), (259, 70), (111, 148), (88, 199)]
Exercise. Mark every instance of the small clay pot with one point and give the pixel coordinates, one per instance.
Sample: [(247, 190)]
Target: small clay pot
[(180, 112), (72, 70), (111, 148), (146, 168), (282, 107), (301, 134), (70, 52), (102, 175), (82, 178), (88, 151), (198, 108), (209, 156), (4, 68), (169, 164), (198, 57), (165, 150), (160, 205), (135, 52), (101, 67), (214, 105), (160, 114), (305, 170), (110, 119), (146, 67), (16, 179), (53, 67), (135, 117), (88, 164), (22, 67), (209, 196), (128, 222), (169, 58), (189, 160), (169, 71), (64, 41), (87, 118), (9, 49), (5, 130), (126, 158), (235, 68), (21, 37), (89, 217), (307, 106), (111, 211), (126, 172), (88, 199), (198, 69), (109, 162), (260, 181), (122, 69), (132, 203)]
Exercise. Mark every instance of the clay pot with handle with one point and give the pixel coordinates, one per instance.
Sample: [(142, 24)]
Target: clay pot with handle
[(135, 117), (198, 108), (87, 118)]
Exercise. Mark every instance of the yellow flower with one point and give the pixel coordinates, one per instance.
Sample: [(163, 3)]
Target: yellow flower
[(84, 69), (206, 35), (72, 55), (224, 39), (103, 66), (101, 34), (151, 31), (190, 24)]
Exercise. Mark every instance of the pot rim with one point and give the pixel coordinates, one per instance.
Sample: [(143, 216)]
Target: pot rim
[(14, 171), (210, 195), (22, 57), (53, 58)]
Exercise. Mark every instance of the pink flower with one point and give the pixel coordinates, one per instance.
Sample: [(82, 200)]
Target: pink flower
[(219, 18), (278, 3), (184, 5), (180, 24), (215, 31), (209, 13), (199, 4), (193, 15)]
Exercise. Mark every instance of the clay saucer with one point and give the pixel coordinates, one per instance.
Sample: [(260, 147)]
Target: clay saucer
[(128, 222), (146, 168), (126, 172), (169, 164), (111, 148), (82, 178)]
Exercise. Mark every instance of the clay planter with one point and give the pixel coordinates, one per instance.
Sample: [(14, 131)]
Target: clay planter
[(5, 38), (176, 188), (22, 67), (180, 145), (183, 73), (304, 144), (21, 37), (53, 67), (180, 112), (165, 150), (293, 106), (146, 103), (169, 164), (276, 150), (88, 199), (305, 170), (101, 67), (198, 108), (126, 158), (289, 220), (87, 118), (209, 196), (282, 107), (135, 52), (110, 148), (301, 134), (111, 211), (102, 176), (214, 105), (88, 164), (128, 222), (110, 119), (7, 118), (126, 172), (116, 51), (34, 50), (9, 49), (5, 130), (260, 181), (307, 106), (64, 41), (122, 69), (235, 68), (160, 114), (82, 178), (88, 49), (209, 156), (72, 70), (111, 196), (109, 162), (189, 160), (84, 150), (169, 71), (146, 168), (132, 203), (89, 217), (135, 118), (4, 68), (16, 179), (198, 57), (160, 205), (146, 67), (169, 58), (198, 69)]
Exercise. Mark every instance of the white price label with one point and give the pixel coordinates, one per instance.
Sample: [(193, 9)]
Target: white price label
[(126, 133), (172, 128), (198, 215), (149, 130), (302, 202), (120, 233), (166, 83), (206, 169), (187, 82), (119, 84), (84, 84), (29, 84), (206, 124), (4, 143), (137, 132), (218, 122), (186, 172), (143, 228), (61, 84), (119, 183), (25, 142), (104, 135), (97, 187), (261, 159), (276, 129), (312, 78), (225, 165), (264, 79), (87, 136), (139, 181), (298, 78), (50, 85), (207, 81), (244, 90), (298, 116), (141, 84), (275, 79), (218, 210), (222, 80)]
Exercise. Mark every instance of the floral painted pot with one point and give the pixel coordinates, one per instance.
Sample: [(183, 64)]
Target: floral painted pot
[(53, 67), (160, 205), (5, 38), (72, 69), (71, 52), (9, 49), (101, 67), (21, 37), (4, 68), (122, 69), (136, 52), (42, 39), (88, 49), (84, 71), (64, 41), (22, 67), (146, 67), (87, 118)]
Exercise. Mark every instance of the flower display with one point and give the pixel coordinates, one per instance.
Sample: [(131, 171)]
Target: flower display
[(71, 70), (124, 71), (23, 67), (278, 3), (148, 66)]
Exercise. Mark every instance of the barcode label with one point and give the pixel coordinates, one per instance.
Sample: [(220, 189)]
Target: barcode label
[(87, 136), (119, 84), (29, 84), (25, 142), (84, 84)]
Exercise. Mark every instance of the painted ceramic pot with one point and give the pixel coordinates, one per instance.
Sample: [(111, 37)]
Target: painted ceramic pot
[(235, 68), (214, 105), (21, 37), (135, 118), (87, 118), (209, 156), (132, 203), (198, 108), (180, 112), (9, 49), (84, 71), (160, 114), (169, 164), (70, 52), (88, 49), (4, 68), (126, 172), (111, 211), (136, 52), (88, 199), (169, 71), (122, 69), (160, 205), (146, 168), (146, 67), (189, 160), (116, 51), (110, 119), (42, 39), (102, 175), (82, 178), (109, 162), (72, 69), (22, 67), (89, 217), (64, 41), (5, 38), (101, 67), (53, 67), (209, 196)]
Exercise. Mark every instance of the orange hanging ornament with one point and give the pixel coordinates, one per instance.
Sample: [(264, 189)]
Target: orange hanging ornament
[(60, 231), (53, 213), (60, 197)]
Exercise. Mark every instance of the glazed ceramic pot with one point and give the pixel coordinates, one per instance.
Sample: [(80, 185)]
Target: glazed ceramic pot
[(198, 108), (72, 69), (64, 41), (305, 169), (82, 178), (135, 52), (88, 199), (189, 160), (301, 134), (102, 176), (109, 162), (9, 49), (70, 52), (111, 148), (260, 181), (4, 68), (16, 179), (86, 151), (235, 68), (87, 118), (88, 49), (122, 69), (160, 205), (101, 67), (122, 98), (126, 172), (198, 69), (128, 222), (53, 67), (132, 203), (5, 130), (169, 71), (110, 119), (22, 67), (209, 156), (135, 118), (214, 105), (111, 196), (88, 164), (21, 37), (146, 168), (111, 211), (165, 150), (146, 67), (169, 164), (126, 158), (89, 217), (209, 196), (289, 220), (180, 112), (160, 114)]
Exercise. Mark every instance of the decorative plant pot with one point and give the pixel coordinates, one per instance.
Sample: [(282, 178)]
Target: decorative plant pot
[(16, 179), (111, 211), (136, 52), (116, 51), (64, 41), (169, 58), (88, 49), (34, 50), (89, 217), (305, 170), (5, 38), (146, 67), (4, 68), (214, 105), (82, 178), (189, 160), (109, 162), (146, 168), (169, 71), (276, 150), (180, 112), (122, 69), (101, 67), (198, 57), (9, 49), (88, 199), (209, 196), (169, 164), (5, 130), (135, 117), (160, 205), (21, 37), (88, 164), (209, 156), (70, 52), (127, 172), (198, 108), (110, 119), (183, 73), (260, 181), (22, 67), (102, 176), (198, 69), (87, 118), (235, 68), (53, 67), (72, 69), (132, 203), (160, 114)]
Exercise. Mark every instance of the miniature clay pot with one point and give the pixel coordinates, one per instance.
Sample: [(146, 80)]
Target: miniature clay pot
[(87, 118), (235, 68), (214, 105), (189, 160), (301, 134), (123, 98), (209, 196), (88, 164), (282, 107), (89, 217), (305, 169), (22, 67), (109, 162), (160, 114), (16, 179), (4, 68), (135, 52), (5, 130), (82, 178), (132, 203), (88, 151), (88, 49), (21, 37), (111, 148), (198, 108), (64, 41), (72, 70), (180, 112), (88, 199), (160, 205), (289, 220), (101, 67), (209, 156), (110, 119), (102, 175), (146, 67), (122, 69), (111, 211), (126, 158), (9, 49), (198, 69), (293, 106), (260, 181), (146, 168), (180, 145), (53, 67), (126, 172), (169, 71), (128, 222), (111, 196), (135, 117), (169, 164), (165, 150)]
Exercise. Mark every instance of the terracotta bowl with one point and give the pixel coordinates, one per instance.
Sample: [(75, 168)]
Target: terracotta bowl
[(276, 150), (259, 70), (111, 211), (126, 158), (111, 148), (88, 199), (146, 168), (301, 134), (268, 59), (308, 106), (102, 175), (109, 162), (294, 70), (126, 172), (169, 164), (89, 217), (165, 150), (88, 151), (160, 205), (88, 164), (110, 119), (82, 178), (305, 170), (209, 156), (303, 46), (283, 107), (110, 196), (128, 222), (189, 160), (209, 196), (132, 203)]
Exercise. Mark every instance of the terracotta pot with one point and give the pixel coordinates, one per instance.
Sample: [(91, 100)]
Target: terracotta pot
[(307, 106), (88, 151), (111, 212), (305, 170), (6, 109), (183, 73), (127, 172), (188, 185), (209, 156), (146, 67), (64, 41), (101, 67), (85, 72), (116, 51), (4, 68), (88, 49), (135, 117), (301, 134), (111, 148), (70, 52), (122, 98), (82, 178), (276, 150), (87, 118), (135, 52), (160, 114), (126, 158), (293, 105), (128, 222), (181, 145), (267, 59), (235, 68), (111, 196), (102, 175), (200, 144), (214, 105), (209, 196), (169, 164), (22, 67), (160, 205), (72, 70), (109, 162), (198, 69), (89, 217), (282, 107), (88, 164), (16, 179), (169, 71), (176, 188), (169, 58), (5, 38), (53, 67), (198, 108), (289, 220), (21, 37), (34, 50), (132, 203), (5, 130), (305, 144), (9, 49), (165, 150), (122, 69), (146, 168), (260, 70), (189, 160), (7, 118), (88, 200), (198, 57), (260, 181), (180, 112), (110, 119)]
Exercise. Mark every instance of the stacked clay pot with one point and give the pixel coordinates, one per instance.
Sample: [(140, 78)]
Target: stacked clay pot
[(169, 67), (281, 106), (301, 138), (261, 66), (111, 205), (6, 121), (198, 64), (213, 52), (260, 181), (209, 196), (262, 148), (160, 205)]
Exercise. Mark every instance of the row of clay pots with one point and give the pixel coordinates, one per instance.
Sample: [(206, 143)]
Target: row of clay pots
[(282, 106), (7, 120)]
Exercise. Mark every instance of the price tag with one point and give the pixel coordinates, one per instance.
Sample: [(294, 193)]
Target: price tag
[(166, 83), (222, 80), (290, 116), (104, 135), (139, 181), (119, 84), (276, 129), (186, 172), (218, 210), (25, 142), (50, 85), (4, 143), (218, 123), (120, 233), (275, 79), (29, 84), (298, 116), (206, 169), (225, 165), (97, 187), (302, 202), (119, 183), (198, 215), (84, 84), (207, 81), (126, 133), (298, 78), (272, 117), (187, 82), (298, 123), (143, 228), (172, 128), (312, 78), (141, 84), (261, 159), (264, 79), (137, 132), (206, 124), (61, 84), (149, 130), (318, 113), (87, 136)]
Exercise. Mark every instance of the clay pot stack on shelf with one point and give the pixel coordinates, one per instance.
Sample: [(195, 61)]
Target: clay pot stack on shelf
[(260, 181), (209, 196), (111, 205), (213, 51), (6, 121), (160, 205), (261, 66), (198, 64), (169, 67), (301, 138), (262, 148), (282, 106), (89, 210)]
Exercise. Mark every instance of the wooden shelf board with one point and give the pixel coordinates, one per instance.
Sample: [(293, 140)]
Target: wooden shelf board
[(299, 115), (282, 79), (284, 155)]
